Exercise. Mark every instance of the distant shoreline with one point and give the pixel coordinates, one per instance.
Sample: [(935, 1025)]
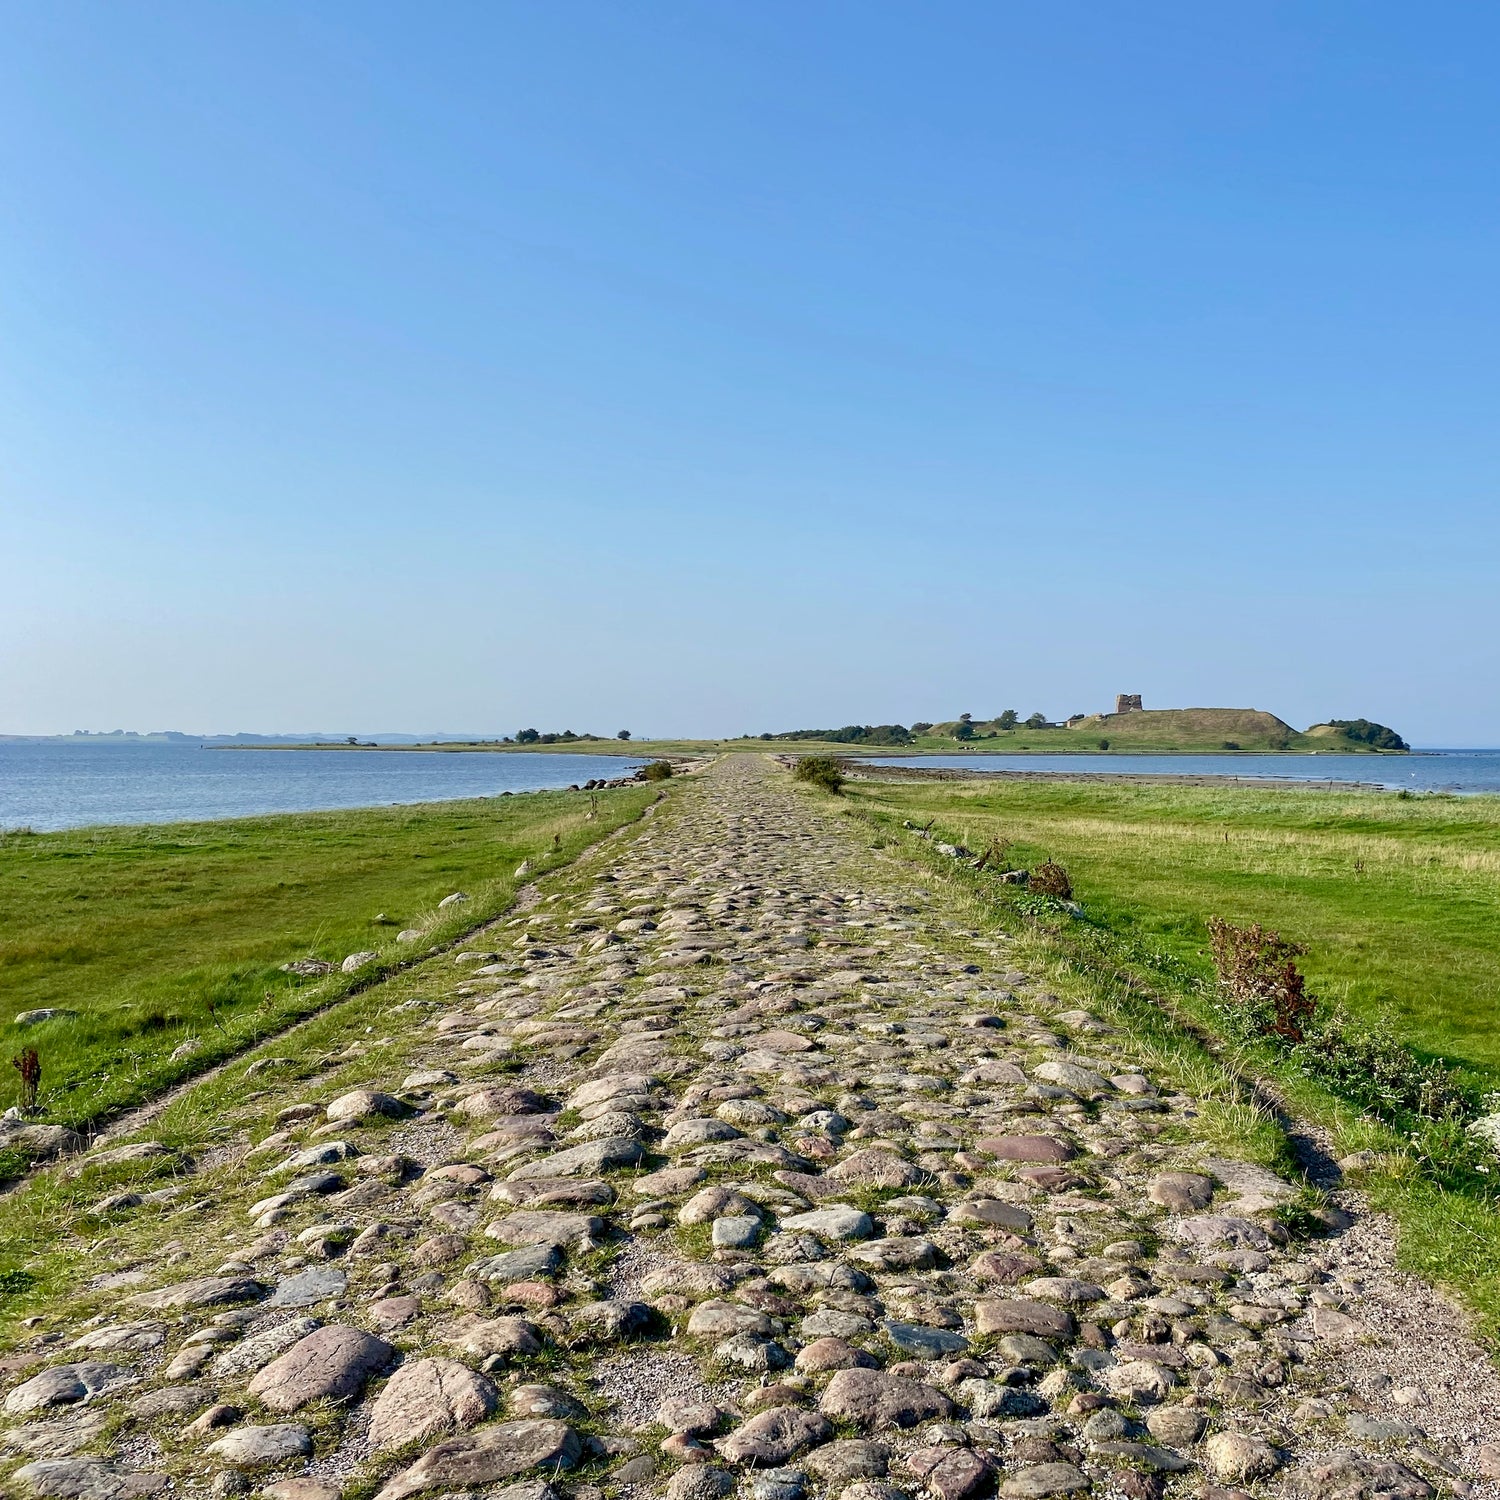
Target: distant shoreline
[(795, 747)]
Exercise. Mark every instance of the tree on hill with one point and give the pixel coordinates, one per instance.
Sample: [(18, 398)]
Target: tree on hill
[(1366, 732), (527, 736), (624, 734), (1037, 721), (1008, 720)]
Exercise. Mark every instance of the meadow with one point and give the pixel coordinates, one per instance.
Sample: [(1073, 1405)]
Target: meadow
[(170, 938)]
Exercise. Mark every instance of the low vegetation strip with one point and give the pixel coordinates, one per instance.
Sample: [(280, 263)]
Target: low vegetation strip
[(132, 958)]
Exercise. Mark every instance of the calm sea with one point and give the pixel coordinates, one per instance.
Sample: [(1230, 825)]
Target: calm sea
[(51, 786), (1466, 771)]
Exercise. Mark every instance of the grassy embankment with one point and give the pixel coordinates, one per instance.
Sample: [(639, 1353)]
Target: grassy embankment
[(168, 934), (1396, 900)]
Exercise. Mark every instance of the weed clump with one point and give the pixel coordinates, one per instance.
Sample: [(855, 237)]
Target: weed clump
[(822, 771), (1263, 996), (1051, 879), (29, 1066), (1375, 1069), (656, 770), (1265, 991)]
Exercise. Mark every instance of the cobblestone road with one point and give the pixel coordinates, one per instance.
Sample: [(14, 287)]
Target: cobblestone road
[(739, 1166)]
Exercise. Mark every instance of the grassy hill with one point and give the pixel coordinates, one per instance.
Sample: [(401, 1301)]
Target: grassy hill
[(1195, 730)]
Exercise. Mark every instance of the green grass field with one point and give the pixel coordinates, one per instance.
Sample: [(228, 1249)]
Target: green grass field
[(172, 934), (1397, 900)]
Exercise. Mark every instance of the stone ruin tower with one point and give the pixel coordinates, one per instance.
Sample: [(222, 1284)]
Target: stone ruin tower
[(1127, 703)]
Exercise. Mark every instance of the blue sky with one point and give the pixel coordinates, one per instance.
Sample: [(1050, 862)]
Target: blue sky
[(709, 368)]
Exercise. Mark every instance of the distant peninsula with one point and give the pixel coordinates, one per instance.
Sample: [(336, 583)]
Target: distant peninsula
[(1130, 729)]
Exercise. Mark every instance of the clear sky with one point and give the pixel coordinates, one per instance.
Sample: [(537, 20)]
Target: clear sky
[(725, 367)]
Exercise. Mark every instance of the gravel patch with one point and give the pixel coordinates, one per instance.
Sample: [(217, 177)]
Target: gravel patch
[(430, 1143), (636, 1384)]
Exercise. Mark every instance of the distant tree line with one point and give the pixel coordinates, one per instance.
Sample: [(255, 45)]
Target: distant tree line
[(963, 728), (567, 737), (851, 734)]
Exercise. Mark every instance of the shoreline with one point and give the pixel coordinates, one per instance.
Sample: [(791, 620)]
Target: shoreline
[(643, 750)]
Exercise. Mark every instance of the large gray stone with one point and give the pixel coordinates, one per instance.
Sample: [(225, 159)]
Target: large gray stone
[(330, 1362), (62, 1385), (609, 1321), (86, 1479), (508, 1337), (427, 1397), (486, 1456), (1182, 1192), (1073, 1077), (1042, 1480), (771, 1438), (519, 1265), (849, 1458), (1022, 1315), (587, 1160), (1237, 1457), (1254, 1188), (1345, 1475), (202, 1291), (923, 1342), (993, 1213), (262, 1447), (839, 1221), (306, 1287), (38, 1142), (874, 1401), (546, 1227), (261, 1348), (361, 1104), (874, 1168)]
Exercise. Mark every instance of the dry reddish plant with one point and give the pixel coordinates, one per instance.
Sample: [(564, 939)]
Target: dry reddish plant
[(1258, 973), (994, 853), (29, 1066)]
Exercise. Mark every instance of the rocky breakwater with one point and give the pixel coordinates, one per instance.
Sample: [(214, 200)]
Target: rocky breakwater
[(736, 1165)]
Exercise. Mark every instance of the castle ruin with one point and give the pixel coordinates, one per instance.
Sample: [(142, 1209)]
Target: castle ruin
[(1127, 703)]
